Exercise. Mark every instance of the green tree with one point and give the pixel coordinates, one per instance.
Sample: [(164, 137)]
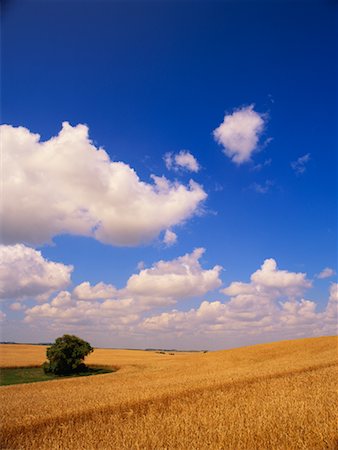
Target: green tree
[(66, 355)]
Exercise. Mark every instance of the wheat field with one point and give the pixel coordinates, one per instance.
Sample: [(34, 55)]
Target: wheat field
[(271, 396)]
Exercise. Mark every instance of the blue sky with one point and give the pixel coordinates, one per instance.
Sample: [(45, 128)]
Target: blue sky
[(152, 78)]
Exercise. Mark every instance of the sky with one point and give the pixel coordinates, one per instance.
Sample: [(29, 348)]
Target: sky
[(168, 172)]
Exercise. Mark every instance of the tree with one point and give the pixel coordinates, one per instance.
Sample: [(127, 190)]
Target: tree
[(66, 355)]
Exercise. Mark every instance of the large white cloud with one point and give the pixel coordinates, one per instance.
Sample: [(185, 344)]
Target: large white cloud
[(269, 280), (207, 318), (25, 273), (269, 276), (67, 185), (266, 306), (163, 284), (271, 306), (239, 133), (173, 280)]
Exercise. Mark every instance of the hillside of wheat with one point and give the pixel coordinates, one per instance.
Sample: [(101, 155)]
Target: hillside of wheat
[(273, 396)]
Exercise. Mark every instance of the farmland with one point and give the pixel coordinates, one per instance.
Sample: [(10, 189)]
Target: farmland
[(273, 396)]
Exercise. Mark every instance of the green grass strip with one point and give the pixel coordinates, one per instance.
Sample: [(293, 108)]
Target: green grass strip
[(20, 375)]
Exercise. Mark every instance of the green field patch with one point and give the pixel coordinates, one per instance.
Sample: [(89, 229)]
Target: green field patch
[(20, 375)]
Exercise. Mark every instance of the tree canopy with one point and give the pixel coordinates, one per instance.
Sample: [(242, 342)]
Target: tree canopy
[(66, 355)]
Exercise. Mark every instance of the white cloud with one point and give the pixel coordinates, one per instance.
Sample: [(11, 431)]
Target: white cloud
[(299, 166), (67, 185), (334, 293), (239, 133), (182, 160), (107, 316), (269, 276), (326, 273), (25, 273), (85, 291), (239, 288), (207, 318), (173, 280), (63, 300), (187, 161), (267, 306), (332, 307), (270, 306), (262, 188), (165, 283), (260, 166), (170, 238), (169, 160), (270, 281)]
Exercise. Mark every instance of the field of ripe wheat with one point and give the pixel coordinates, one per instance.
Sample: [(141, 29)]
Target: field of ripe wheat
[(272, 396)]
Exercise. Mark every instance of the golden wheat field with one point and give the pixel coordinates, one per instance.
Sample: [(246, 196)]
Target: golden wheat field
[(271, 396)]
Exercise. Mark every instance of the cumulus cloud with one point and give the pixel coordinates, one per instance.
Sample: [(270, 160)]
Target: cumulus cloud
[(269, 276), (170, 238), (326, 273), (109, 315), (63, 300), (334, 293), (182, 160), (271, 304), (299, 165), (85, 291), (236, 318), (332, 308), (176, 279), (270, 281), (67, 185), (163, 284), (239, 133), (25, 273)]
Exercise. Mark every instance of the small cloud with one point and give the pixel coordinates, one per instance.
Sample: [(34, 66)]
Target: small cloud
[(85, 291), (326, 273), (218, 187), (262, 188), (299, 165), (267, 141), (239, 133), (17, 306), (169, 160), (170, 238), (182, 160), (140, 265), (260, 166)]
